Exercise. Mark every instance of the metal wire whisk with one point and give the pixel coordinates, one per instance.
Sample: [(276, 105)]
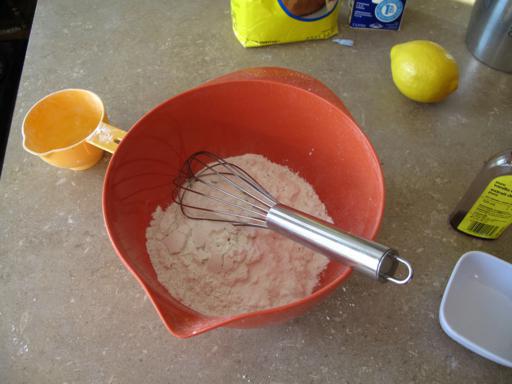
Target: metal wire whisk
[(210, 188)]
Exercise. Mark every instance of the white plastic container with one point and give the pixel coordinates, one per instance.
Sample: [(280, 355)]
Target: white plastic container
[(476, 309)]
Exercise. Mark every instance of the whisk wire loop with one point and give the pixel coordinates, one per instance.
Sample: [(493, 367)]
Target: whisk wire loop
[(250, 200)]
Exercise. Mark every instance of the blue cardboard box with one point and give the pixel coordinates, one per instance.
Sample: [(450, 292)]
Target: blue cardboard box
[(377, 14)]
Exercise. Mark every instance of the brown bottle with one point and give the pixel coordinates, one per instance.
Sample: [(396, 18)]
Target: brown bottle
[(485, 211)]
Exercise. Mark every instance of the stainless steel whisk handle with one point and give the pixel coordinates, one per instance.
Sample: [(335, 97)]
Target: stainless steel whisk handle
[(366, 256)]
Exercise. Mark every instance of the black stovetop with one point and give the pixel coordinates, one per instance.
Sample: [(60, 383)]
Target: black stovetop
[(15, 21)]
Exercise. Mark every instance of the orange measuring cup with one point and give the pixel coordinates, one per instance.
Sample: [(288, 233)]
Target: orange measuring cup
[(70, 129)]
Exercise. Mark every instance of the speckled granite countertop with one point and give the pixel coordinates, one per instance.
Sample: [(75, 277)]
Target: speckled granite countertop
[(71, 313)]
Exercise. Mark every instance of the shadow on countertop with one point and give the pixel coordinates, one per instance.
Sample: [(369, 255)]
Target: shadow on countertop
[(15, 21)]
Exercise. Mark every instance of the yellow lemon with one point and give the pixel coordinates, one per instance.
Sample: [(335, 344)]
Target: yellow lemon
[(424, 71)]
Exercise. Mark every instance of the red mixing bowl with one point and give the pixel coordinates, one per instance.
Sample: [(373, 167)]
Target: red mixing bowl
[(290, 118)]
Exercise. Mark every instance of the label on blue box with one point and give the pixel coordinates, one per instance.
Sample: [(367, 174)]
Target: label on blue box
[(377, 14)]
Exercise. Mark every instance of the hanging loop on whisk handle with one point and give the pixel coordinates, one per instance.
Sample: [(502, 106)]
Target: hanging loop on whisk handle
[(366, 256)]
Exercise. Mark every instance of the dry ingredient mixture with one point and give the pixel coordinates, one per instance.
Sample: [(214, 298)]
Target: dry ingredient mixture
[(219, 270)]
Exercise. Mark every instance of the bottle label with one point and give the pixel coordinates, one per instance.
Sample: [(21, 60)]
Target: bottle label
[(492, 212)]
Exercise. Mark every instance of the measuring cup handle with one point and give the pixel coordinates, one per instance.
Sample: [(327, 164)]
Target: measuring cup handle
[(106, 137)]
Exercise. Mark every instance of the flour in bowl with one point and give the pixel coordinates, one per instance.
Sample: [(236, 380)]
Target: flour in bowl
[(220, 270)]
